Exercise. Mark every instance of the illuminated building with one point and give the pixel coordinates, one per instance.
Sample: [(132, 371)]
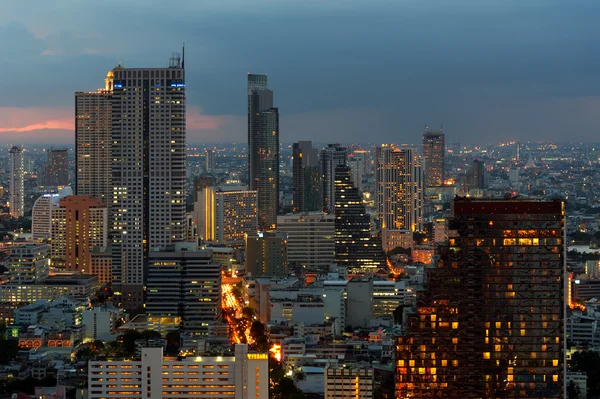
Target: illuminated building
[(226, 214), (331, 157), (57, 172), (93, 142), (349, 381), (154, 376), (148, 171), (392, 239), (434, 152), (101, 264), (263, 149), (387, 296), (183, 282), (266, 254), (79, 223), (209, 154), (440, 230), (28, 264), (41, 216), (399, 188), (489, 323), (306, 184), (310, 239), (17, 190), (355, 248)]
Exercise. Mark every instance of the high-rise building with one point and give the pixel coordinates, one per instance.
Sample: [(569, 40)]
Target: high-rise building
[(28, 264), (263, 149), (148, 170), (478, 175), (306, 183), (56, 172), (41, 216), (93, 142), (184, 282), (79, 223), (154, 376), (434, 152), (210, 154), (226, 214), (399, 188), (355, 248), (349, 381), (331, 157), (310, 239), (17, 183), (490, 322), (266, 254), (200, 183), (357, 169)]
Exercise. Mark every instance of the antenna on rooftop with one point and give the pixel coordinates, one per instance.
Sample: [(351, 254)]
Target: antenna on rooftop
[(183, 56)]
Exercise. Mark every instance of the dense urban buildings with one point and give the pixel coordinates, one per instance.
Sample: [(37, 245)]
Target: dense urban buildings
[(17, 182), (306, 186), (434, 152), (56, 172), (148, 170), (266, 253), (263, 149), (490, 320), (93, 142), (331, 157)]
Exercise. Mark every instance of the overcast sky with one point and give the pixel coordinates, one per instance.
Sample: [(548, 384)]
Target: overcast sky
[(341, 70)]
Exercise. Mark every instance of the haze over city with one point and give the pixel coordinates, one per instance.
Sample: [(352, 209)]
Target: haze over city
[(342, 70)]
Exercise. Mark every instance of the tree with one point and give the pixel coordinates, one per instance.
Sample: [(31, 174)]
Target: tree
[(257, 332), (128, 339), (589, 363), (248, 312), (572, 390), (173, 341)]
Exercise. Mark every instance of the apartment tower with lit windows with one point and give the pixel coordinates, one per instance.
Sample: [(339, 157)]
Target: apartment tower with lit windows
[(434, 152)]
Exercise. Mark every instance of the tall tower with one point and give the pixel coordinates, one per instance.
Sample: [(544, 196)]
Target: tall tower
[(331, 157), (434, 152), (17, 190), (399, 188), (490, 322), (57, 167), (306, 183), (209, 154), (148, 171), (93, 142), (263, 149)]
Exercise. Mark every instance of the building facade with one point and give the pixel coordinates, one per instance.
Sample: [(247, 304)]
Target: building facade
[(41, 216), (306, 183), (490, 322), (56, 172), (434, 152), (354, 381), (17, 182), (331, 157), (266, 254)]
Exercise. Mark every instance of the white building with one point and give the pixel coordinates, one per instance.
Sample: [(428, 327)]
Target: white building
[(311, 239), (148, 164), (101, 322), (307, 309), (243, 376), (349, 381), (17, 189), (41, 214)]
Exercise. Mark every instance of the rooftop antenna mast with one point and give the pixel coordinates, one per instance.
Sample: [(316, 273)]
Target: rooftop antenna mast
[(183, 56)]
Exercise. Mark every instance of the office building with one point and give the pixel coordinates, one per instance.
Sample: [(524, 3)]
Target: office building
[(360, 300), (41, 216), (434, 152), (357, 170), (355, 248), (210, 154), (184, 282), (490, 322), (93, 142), (79, 223), (148, 171), (28, 264), (387, 296), (263, 149), (440, 230), (17, 183), (101, 264), (310, 239), (331, 157), (155, 376), (349, 381), (399, 188), (56, 172), (226, 214), (266, 254), (477, 175), (306, 184)]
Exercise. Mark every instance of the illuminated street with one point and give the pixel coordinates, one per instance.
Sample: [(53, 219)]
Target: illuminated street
[(232, 309)]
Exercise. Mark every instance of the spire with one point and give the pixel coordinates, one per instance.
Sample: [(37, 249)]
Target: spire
[(183, 56)]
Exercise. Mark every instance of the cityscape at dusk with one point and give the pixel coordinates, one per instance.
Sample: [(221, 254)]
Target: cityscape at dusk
[(299, 200)]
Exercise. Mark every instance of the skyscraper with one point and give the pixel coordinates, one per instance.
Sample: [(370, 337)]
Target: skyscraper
[(17, 189), (93, 142), (306, 184), (263, 149), (399, 188), (266, 253), (490, 322), (331, 157), (210, 154), (57, 167), (478, 174), (148, 171), (355, 248), (434, 152)]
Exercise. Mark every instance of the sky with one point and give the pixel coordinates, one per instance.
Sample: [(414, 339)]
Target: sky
[(342, 70)]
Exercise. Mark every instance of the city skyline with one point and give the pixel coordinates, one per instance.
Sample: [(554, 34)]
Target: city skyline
[(410, 76)]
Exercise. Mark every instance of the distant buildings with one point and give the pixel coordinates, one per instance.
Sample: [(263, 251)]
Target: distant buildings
[(306, 186), (434, 152), (266, 253), (17, 190), (263, 149), (210, 154), (490, 322), (355, 381), (41, 216), (331, 157), (56, 172)]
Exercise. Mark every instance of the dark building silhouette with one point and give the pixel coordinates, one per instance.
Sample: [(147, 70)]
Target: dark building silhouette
[(331, 157), (57, 167), (306, 184), (434, 152), (489, 323)]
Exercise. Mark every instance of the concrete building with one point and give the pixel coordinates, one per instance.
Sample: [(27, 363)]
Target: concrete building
[(310, 239), (331, 157), (210, 155), (28, 264), (387, 296), (101, 322), (349, 381), (360, 302), (183, 282), (266, 254), (41, 217), (154, 376), (307, 309), (17, 182), (56, 172), (440, 230), (434, 152), (392, 239), (306, 185), (101, 264), (148, 169)]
